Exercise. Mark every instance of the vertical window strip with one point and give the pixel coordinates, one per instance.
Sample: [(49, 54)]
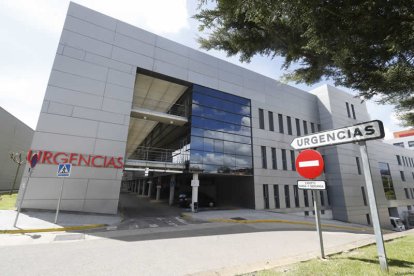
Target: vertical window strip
[(353, 111), (289, 125), (261, 118), (274, 160), (280, 117), (271, 122), (292, 160), (297, 127), (305, 127), (284, 161), (264, 159), (358, 165), (347, 110)]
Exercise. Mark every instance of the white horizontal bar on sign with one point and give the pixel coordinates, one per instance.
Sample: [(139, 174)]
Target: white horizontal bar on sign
[(312, 163)]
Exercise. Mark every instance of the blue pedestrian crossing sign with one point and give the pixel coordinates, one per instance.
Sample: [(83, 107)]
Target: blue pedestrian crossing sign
[(64, 170)]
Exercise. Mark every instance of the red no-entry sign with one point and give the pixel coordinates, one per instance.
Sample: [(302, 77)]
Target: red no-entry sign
[(309, 164)]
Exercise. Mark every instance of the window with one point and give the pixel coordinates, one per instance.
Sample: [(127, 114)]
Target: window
[(306, 197), (312, 127), (347, 110), (305, 127), (412, 193), (387, 180), (364, 198), (292, 160), (297, 127), (402, 176), (410, 144), (296, 195), (399, 144), (261, 118), (353, 111), (214, 118), (287, 196), (276, 196), (284, 161), (403, 159), (322, 212), (264, 159), (271, 123), (368, 219), (266, 196), (280, 117), (398, 160), (407, 195), (327, 193), (274, 160), (306, 213), (412, 173), (289, 125), (319, 127), (322, 198), (358, 165)]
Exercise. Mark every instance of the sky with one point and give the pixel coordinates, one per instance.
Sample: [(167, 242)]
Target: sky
[(30, 32)]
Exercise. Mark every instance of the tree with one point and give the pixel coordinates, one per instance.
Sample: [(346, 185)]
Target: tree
[(367, 46)]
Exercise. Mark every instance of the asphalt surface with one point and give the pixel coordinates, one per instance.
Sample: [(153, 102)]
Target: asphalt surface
[(142, 212), (154, 239)]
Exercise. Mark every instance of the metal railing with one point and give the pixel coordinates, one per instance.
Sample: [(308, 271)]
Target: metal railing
[(160, 155), (161, 106)]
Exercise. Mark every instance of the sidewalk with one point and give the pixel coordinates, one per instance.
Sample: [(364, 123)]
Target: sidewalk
[(249, 216), (43, 221)]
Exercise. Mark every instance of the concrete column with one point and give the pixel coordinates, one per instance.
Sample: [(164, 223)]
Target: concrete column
[(150, 182), (144, 184), (157, 197), (139, 187), (172, 188), (194, 202)]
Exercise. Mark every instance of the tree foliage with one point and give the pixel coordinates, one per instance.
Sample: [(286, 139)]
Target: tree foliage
[(367, 46)]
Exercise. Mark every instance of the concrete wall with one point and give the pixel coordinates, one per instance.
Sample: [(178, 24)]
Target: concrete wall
[(15, 136)]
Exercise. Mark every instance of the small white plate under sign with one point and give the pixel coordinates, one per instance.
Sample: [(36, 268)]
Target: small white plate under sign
[(311, 184)]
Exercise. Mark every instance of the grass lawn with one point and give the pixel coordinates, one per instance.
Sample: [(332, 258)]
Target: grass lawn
[(363, 261), (7, 201)]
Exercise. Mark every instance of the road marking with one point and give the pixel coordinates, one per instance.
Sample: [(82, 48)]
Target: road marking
[(312, 163), (153, 225), (61, 229), (181, 220)]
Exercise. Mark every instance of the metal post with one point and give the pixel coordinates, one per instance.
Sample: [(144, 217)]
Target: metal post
[(318, 221), (59, 201), (382, 256), (15, 178), (21, 200), (194, 199), (172, 187)]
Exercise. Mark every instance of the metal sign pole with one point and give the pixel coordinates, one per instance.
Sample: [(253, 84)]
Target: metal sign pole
[(60, 199), (373, 207), (21, 200), (318, 221)]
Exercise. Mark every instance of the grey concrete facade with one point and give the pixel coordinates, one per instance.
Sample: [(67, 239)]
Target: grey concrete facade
[(15, 137), (89, 99)]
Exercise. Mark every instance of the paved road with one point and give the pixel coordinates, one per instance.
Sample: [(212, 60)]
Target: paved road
[(154, 240), (141, 213), (188, 249)]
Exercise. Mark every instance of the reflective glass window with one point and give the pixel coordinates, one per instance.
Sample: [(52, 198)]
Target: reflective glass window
[(220, 132)]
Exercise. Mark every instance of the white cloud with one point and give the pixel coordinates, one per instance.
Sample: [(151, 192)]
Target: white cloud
[(388, 133)]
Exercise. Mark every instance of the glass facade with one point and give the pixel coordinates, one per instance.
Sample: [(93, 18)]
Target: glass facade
[(220, 132), (387, 180)]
